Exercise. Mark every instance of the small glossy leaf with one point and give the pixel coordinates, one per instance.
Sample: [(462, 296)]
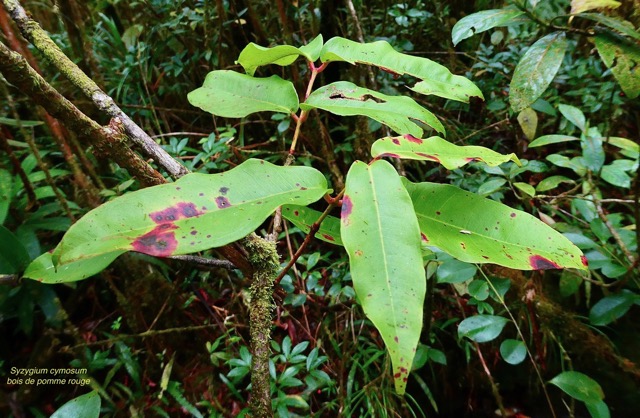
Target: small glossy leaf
[(455, 271), (551, 139), (612, 307), (478, 230), (513, 351), (254, 56), (528, 120), (233, 95), (381, 235), (573, 115), (526, 188), (84, 406), (616, 175), (536, 70), (197, 212), (598, 409), (579, 386), (623, 58), (579, 6), (438, 150), (13, 255), (617, 24), (482, 328), (437, 79), (552, 182), (483, 21), (303, 217), (400, 113), (491, 186)]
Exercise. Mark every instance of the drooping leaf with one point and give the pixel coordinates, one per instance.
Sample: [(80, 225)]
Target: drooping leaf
[(478, 230), (617, 24), (482, 21), (551, 139), (84, 406), (13, 256), (579, 386), (197, 212), (612, 307), (438, 150), (552, 182), (254, 56), (598, 409), (437, 79), (579, 6), (482, 328), (623, 58), (573, 115), (629, 148), (536, 70), (400, 113), (233, 95), (303, 217), (513, 351), (528, 120), (381, 235)]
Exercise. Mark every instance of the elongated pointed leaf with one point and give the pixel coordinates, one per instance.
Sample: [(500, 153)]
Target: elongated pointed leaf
[(380, 233), (400, 113), (624, 27), (42, 269), (579, 6), (478, 230), (437, 79), (536, 70), (579, 386), (482, 328), (623, 58), (197, 212), (483, 21), (551, 139), (13, 255), (303, 217), (233, 95), (438, 150), (254, 56)]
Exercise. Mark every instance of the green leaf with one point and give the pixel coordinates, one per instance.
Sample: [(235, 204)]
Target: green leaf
[(491, 186), (629, 148), (454, 271), (23, 123), (579, 6), (573, 115), (478, 230), (528, 120), (526, 188), (437, 79), (552, 182), (623, 58), (593, 152), (84, 406), (616, 175), (612, 307), (579, 386), (254, 56), (622, 26), (13, 255), (438, 150), (551, 139), (536, 70), (483, 21), (400, 113), (598, 409), (197, 212), (381, 235), (303, 217), (6, 193), (482, 328), (513, 351), (42, 269), (233, 95)]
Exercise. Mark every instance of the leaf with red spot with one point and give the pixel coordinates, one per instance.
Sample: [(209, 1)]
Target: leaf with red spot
[(435, 78), (303, 217), (381, 235), (197, 212), (400, 113), (490, 231), (438, 150)]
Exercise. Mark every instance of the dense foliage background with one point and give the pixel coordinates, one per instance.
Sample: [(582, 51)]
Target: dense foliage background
[(170, 338)]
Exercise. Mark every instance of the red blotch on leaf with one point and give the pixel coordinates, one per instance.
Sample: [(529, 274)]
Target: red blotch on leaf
[(390, 154), (328, 237), (395, 141), (224, 190), (159, 242), (538, 262), (424, 237), (428, 157), (413, 139), (347, 206), (222, 202), (584, 260), (173, 213)]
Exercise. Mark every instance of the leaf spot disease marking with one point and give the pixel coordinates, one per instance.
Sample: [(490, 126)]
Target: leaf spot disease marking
[(428, 157), (224, 190), (395, 141), (424, 237), (160, 242), (173, 213), (584, 260), (328, 237), (513, 214), (413, 139), (194, 232), (347, 207), (222, 202), (390, 154), (538, 262)]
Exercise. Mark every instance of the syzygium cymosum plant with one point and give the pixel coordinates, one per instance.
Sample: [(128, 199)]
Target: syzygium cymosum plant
[(386, 221)]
